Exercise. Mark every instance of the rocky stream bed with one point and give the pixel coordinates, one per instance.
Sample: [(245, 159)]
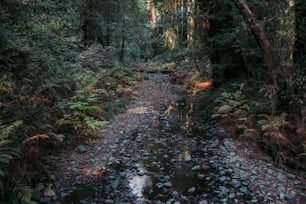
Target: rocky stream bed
[(155, 153)]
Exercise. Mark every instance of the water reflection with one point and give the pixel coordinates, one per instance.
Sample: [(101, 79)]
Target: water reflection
[(140, 181)]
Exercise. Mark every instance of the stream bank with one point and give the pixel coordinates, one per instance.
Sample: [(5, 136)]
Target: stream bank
[(156, 153)]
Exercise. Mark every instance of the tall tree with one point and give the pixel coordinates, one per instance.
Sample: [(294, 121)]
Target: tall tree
[(261, 36)]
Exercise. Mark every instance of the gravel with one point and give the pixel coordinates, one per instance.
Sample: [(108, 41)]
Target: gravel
[(139, 159)]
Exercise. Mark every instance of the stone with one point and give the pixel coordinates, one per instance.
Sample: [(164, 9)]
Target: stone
[(64, 194), (168, 184), (281, 196), (191, 190), (222, 178), (196, 168), (159, 185), (235, 183), (188, 158), (82, 149), (228, 143), (231, 195), (115, 184), (108, 201)]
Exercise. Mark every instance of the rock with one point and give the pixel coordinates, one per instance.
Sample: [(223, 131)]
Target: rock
[(196, 168), (232, 154), (64, 194), (175, 193), (243, 190), (159, 185), (231, 195), (281, 196), (191, 190), (48, 192), (115, 184), (222, 178), (81, 149), (168, 184), (235, 183), (108, 201), (228, 143), (188, 158), (203, 202)]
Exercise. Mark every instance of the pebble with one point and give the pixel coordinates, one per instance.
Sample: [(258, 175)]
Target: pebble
[(159, 185), (188, 158), (82, 149), (168, 184), (196, 168), (235, 183), (108, 201), (191, 190), (228, 169)]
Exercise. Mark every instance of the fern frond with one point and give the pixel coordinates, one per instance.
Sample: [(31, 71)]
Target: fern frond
[(24, 193), (39, 136), (6, 131)]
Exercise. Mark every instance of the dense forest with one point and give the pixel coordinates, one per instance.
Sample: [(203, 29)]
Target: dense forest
[(67, 66)]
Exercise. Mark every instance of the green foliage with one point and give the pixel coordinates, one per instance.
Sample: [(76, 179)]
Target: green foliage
[(24, 193), (229, 101), (8, 152)]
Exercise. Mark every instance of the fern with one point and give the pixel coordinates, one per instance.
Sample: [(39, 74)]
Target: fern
[(83, 106), (93, 123), (7, 152), (24, 193)]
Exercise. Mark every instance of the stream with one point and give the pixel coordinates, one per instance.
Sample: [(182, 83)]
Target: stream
[(156, 153)]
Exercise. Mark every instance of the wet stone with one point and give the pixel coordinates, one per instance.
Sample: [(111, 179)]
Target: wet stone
[(168, 184), (159, 185), (196, 168), (108, 201), (81, 149), (188, 158), (222, 178), (191, 190), (235, 183)]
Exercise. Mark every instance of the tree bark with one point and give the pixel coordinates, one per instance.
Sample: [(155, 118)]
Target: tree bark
[(260, 36)]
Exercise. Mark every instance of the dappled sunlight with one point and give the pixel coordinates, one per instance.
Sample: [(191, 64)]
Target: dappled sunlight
[(140, 110), (200, 86), (170, 38)]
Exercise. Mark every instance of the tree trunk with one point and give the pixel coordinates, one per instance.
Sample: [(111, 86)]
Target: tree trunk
[(261, 37)]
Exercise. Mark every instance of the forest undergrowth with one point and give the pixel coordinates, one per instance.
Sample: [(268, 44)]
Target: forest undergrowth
[(255, 113), (38, 120)]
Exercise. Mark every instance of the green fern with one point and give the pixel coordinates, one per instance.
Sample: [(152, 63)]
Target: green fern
[(24, 193), (7, 152), (93, 123)]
